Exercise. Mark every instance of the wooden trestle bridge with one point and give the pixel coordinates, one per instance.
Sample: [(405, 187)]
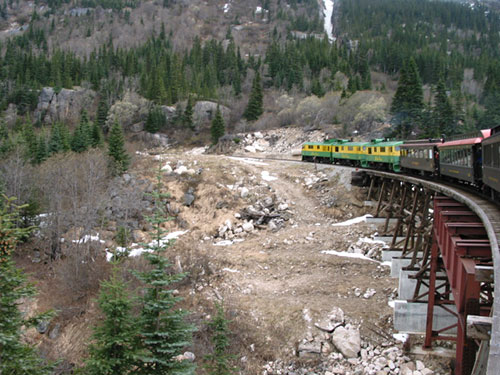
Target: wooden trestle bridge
[(449, 238)]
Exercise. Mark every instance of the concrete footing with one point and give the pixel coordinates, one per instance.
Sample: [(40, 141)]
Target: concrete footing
[(411, 317)]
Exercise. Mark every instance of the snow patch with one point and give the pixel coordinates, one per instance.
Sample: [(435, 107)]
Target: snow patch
[(267, 177), (401, 336), (230, 270), (356, 220), (348, 255), (135, 251), (248, 161), (88, 238), (327, 13), (226, 8)]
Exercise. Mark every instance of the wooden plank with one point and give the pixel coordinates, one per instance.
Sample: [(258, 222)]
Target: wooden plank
[(479, 327)]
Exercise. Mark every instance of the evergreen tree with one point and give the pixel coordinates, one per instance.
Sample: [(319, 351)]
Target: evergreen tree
[(219, 360), (408, 103), (163, 330), (41, 151), (217, 129), (443, 116), (96, 136), (155, 120), (120, 160), (316, 88), (491, 115), (30, 139), (188, 114), (102, 114), (82, 136), (115, 346), (254, 107), (16, 357)]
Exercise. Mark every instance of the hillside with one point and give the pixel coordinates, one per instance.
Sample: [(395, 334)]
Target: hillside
[(112, 111)]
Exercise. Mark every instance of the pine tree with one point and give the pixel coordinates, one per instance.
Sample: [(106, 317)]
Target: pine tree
[(442, 112), (120, 160), (102, 114), (188, 114), (16, 357), (217, 129), (30, 139), (115, 347), (41, 150), (82, 136), (491, 115), (155, 120), (408, 103), (254, 107), (163, 330), (96, 136), (219, 360)]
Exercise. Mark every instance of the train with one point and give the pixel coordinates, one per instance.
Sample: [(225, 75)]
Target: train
[(472, 159)]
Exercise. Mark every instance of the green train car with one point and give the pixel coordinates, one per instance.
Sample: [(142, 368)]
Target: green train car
[(378, 153)]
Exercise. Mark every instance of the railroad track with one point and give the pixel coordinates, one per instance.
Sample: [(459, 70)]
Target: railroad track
[(487, 361)]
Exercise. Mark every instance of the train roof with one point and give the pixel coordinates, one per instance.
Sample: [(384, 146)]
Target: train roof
[(425, 143), (468, 141), (379, 143)]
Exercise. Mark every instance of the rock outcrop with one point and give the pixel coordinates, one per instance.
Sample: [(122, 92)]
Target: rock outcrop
[(66, 105)]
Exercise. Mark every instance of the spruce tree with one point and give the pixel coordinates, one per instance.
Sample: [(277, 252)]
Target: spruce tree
[(442, 112), (219, 360), (30, 140), (155, 120), (254, 107), (163, 331), (115, 346), (119, 158), (96, 136), (16, 357), (408, 103), (217, 129), (102, 114), (188, 114)]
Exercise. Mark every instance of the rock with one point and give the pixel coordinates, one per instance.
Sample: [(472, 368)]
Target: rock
[(272, 225), (244, 192), (205, 111), (406, 368), (139, 236), (282, 207), (419, 365), (65, 105), (250, 149), (126, 178), (181, 170), (369, 293), (54, 332), (306, 348), (336, 315), (348, 342), (248, 226), (42, 327), (137, 127), (258, 135), (427, 371), (166, 169), (188, 199)]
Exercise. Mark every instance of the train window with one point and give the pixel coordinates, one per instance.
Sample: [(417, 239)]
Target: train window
[(382, 149), (495, 157), (317, 147), (390, 149), (349, 148), (310, 147), (336, 148)]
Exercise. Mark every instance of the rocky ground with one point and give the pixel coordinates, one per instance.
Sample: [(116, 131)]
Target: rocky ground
[(306, 294)]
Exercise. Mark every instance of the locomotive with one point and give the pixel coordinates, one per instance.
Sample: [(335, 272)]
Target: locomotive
[(472, 159)]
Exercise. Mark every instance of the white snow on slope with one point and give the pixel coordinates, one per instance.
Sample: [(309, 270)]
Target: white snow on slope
[(135, 251), (267, 177), (328, 11), (356, 220)]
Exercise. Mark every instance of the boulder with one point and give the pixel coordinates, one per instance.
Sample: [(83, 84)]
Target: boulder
[(347, 341), (248, 226), (205, 111), (63, 106), (244, 192)]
